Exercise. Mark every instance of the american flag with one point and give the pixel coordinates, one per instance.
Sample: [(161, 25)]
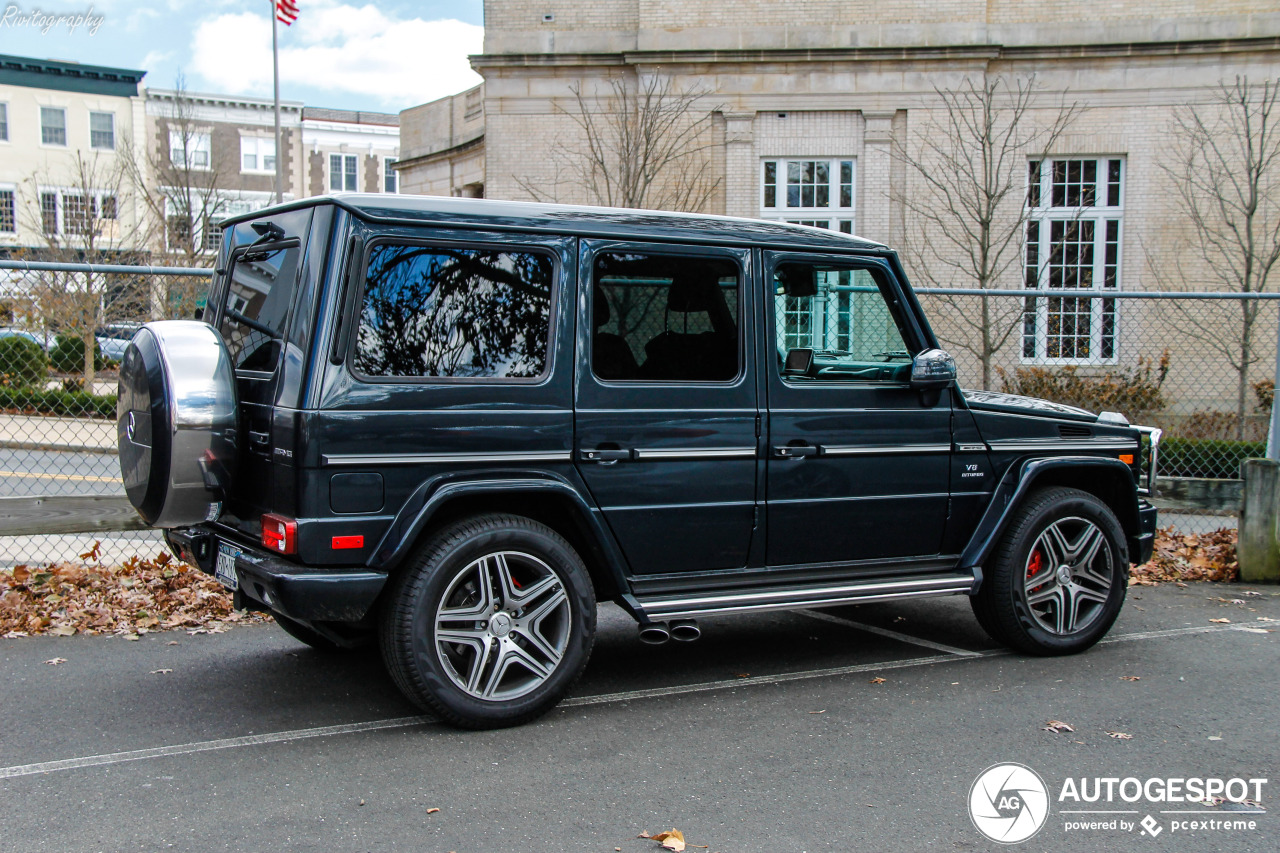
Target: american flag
[(286, 11)]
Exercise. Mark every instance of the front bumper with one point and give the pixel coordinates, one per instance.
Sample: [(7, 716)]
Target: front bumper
[(302, 594), (1142, 545)]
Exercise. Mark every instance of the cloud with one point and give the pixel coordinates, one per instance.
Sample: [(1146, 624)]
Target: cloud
[(394, 62)]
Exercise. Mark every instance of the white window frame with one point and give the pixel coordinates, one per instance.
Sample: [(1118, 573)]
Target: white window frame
[(200, 142), (1046, 258), (838, 214), (112, 117), (260, 148), (63, 143), (4, 121), (340, 175), (12, 190), (60, 213), (390, 176)]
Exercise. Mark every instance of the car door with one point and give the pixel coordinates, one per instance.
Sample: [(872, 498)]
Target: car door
[(665, 406), (858, 468)]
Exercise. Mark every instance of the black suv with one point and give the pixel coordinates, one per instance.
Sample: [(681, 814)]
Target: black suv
[(451, 426)]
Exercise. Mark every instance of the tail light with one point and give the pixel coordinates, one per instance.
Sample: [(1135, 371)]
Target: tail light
[(279, 534)]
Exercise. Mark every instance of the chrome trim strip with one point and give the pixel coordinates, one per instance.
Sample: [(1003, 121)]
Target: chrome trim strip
[(442, 458), (1153, 434), (801, 605), (783, 599), (881, 449), (695, 453), (1018, 444), (971, 448)]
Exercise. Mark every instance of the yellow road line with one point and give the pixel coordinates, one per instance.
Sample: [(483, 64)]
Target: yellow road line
[(85, 478)]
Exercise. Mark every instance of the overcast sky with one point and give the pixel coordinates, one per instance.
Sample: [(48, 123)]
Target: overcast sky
[(338, 54)]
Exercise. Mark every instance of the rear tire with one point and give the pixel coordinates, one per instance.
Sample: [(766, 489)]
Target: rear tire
[(491, 624), (1058, 578)]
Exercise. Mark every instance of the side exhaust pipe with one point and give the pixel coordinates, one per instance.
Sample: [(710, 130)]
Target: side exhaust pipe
[(685, 631), (654, 633)]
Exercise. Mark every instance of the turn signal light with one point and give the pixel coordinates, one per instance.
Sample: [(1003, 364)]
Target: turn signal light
[(1126, 458), (279, 534)]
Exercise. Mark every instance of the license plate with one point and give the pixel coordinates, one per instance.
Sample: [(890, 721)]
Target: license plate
[(225, 567)]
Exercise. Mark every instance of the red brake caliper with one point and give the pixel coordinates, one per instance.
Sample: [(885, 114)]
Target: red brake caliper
[(1035, 565)]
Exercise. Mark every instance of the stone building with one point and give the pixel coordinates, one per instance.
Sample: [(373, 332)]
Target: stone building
[(350, 150), (810, 100)]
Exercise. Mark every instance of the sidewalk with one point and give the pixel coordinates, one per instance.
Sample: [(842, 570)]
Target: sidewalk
[(34, 432)]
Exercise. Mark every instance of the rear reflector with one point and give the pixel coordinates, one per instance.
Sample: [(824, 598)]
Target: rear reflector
[(279, 534), (341, 542)]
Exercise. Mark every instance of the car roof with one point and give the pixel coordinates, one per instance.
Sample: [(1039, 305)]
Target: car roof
[(581, 220)]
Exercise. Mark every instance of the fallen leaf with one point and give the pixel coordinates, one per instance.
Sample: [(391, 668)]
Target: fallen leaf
[(1251, 592), (432, 811), (1221, 621), (1120, 735), (1057, 726), (743, 675), (1215, 737), (361, 802), (644, 833), (160, 671), (61, 630), (56, 661), (173, 643), (672, 839), (1131, 678), (823, 711), (1249, 630), (877, 680)]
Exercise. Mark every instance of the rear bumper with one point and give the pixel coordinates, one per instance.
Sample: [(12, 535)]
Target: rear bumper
[(302, 594), (1141, 546)]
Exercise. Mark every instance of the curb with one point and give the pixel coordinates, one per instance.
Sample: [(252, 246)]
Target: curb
[(69, 448)]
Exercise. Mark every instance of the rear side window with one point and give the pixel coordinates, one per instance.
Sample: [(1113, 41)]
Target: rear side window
[(469, 313), (257, 306)]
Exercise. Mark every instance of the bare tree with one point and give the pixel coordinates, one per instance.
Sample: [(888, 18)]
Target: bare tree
[(83, 220), (177, 179), (647, 144), (1224, 176), (965, 200)]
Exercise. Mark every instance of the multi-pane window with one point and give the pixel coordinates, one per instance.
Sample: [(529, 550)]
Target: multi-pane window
[(8, 211), (76, 213), (1075, 209), (53, 125), (344, 172), (257, 154), (390, 178), (190, 150), (212, 236), (102, 131), (4, 122), (818, 193)]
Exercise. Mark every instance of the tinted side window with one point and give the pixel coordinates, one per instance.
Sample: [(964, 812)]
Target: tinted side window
[(431, 311), (257, 306), (665, 318), (842, 316)]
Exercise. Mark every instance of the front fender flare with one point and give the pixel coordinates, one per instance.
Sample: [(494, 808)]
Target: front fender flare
[(1013, 487)]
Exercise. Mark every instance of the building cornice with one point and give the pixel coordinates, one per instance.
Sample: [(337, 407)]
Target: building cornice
[(989, 52), (69, 76), (443, 154)]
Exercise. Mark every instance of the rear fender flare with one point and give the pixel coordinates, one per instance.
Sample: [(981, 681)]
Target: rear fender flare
[(438, 492), (1018, 481)]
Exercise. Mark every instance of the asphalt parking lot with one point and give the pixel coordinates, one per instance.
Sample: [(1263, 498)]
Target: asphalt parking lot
[(771, 733)]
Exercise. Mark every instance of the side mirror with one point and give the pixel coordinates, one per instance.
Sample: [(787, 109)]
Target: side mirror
[(798, 280), (933, 369)]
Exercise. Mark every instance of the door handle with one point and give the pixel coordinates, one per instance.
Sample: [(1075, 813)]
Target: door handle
[(604, 455), (795, 451), (259, 439)]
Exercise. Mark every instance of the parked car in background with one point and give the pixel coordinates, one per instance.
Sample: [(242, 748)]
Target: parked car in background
[(10, 332), (113, 339)]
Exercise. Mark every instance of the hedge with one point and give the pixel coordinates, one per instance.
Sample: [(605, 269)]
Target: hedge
[(68, 355), (71, 404), (1206, 457), (23, 362)]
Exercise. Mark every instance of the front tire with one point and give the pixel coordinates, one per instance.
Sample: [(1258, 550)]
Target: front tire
[(491, 624), (1058, 578)]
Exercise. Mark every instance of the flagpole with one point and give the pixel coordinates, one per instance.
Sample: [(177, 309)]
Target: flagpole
[(275, 65)]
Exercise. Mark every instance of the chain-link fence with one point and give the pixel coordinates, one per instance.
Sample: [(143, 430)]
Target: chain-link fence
[(63, 330), (1201, 368)]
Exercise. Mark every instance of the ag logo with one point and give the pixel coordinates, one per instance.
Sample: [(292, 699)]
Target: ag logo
[(1008, 803)]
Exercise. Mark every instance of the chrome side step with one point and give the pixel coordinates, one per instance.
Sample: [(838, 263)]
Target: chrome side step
[(794, 598)]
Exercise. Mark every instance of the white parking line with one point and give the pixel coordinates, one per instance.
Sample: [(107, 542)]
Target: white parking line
[(885, 632), (571, 702)]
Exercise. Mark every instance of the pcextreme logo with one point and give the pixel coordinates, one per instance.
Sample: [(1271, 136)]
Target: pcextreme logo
[(1010, 803)]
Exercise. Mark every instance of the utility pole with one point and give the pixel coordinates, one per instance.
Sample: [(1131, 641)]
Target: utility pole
[(275, 64)]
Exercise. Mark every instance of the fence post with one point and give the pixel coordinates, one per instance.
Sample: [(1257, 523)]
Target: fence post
[(1258, 547), (1273, 432)]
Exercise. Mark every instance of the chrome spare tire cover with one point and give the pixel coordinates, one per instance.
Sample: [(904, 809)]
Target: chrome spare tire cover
[(176, 422)]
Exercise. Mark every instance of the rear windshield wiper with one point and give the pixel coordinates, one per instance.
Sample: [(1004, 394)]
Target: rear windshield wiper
[(252, 324)]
